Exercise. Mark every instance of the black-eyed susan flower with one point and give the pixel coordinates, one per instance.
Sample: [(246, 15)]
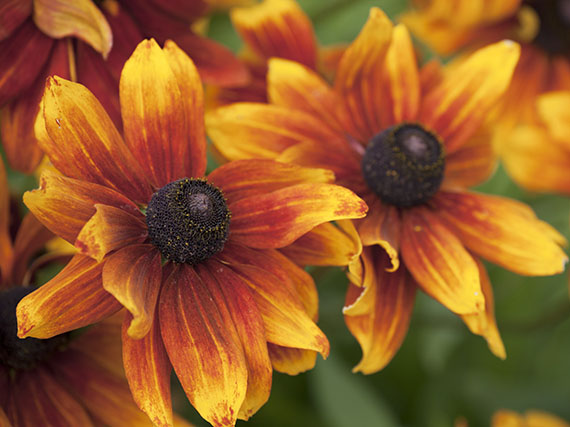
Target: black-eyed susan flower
[(409, 142), (192, 258), (89, 42), (540, 26), (531, 418)]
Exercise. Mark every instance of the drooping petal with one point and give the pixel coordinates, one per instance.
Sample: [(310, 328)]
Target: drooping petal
[(84, 143), (326, 244), (72, 299), (457, 106), (381, 322), (439, 263), (286, 321), (64, 205), (246, 178), (291, 361), (250, 328), (133, 276), (360, 70), (147, 369), (12, 14), (77, 18), (204, 349), (246, 130), (484, 323), (504, 231), (277, 28), (277, 219), (110, 229)]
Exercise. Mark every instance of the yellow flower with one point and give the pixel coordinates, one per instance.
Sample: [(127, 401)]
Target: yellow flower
[(192, 258), (409, 142), (531, 418)]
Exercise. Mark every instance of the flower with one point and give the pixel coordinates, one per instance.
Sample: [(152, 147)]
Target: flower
[(541, 27), (531, 418), (70, 379), (89, 42), (409, 142), (192, 258)]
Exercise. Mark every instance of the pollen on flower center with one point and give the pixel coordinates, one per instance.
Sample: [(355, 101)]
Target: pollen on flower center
[(403, 165), (554, 25), (22, 354), (188, 220)]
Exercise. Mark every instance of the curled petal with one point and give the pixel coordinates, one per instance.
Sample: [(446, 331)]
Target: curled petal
[(503, 231), (77, 18), (277, 219), (291, 361), (439, 263), (72, 299)]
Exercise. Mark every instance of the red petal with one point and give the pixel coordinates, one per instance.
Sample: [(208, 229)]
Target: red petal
[(12, 14)]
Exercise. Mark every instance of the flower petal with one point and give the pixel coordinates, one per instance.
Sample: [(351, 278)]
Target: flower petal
[(277, 28), (439, 263), (326, 245), (484, 323), (251, 130), (286, 321), (72, 299), (77, 18), (203, 347), (249, 325), (64, 205), (84, 143), (148, 371), (504, 231), (246, 178), (6, 249), (291, 361), (133, 276), (12, 14), (381, 326), (277, 219), (110, 229), (553, 110), (457, 106)]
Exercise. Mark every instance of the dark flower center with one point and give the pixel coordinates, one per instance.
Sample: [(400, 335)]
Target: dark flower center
[(21, 354), (554, 25), (188, 220), (404, 165)]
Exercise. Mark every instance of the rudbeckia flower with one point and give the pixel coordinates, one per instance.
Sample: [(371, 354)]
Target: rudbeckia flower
[(70, 379), (89, 42), (541, 27), (192, 258), (409, 142), (531, 418)]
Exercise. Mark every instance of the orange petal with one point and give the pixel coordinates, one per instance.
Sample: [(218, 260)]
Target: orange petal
[(277, 28), (291, 361), (504, 231), (439, 263), (72, 299), (6, 249), (12, 14), (41, 400), (110, 229), (382, 226), (286, 321), (84, 143), (277, 219), (246, 130), (457, 106), (148, 371), (553, 109), (4, 419), (381, 324), (484, 323), (22, 56), (64, 205), (250, 328), (203, 347), (360, 71), (246, 178), (77, 18), (133, 276), (326, 245)]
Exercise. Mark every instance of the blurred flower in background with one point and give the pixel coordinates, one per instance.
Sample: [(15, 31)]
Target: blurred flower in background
[(532, 418)]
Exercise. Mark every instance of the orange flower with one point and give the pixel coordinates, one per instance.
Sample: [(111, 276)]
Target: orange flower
[(531, 418), (540, 26), (409, 142), (194, 263), (78, 40)]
